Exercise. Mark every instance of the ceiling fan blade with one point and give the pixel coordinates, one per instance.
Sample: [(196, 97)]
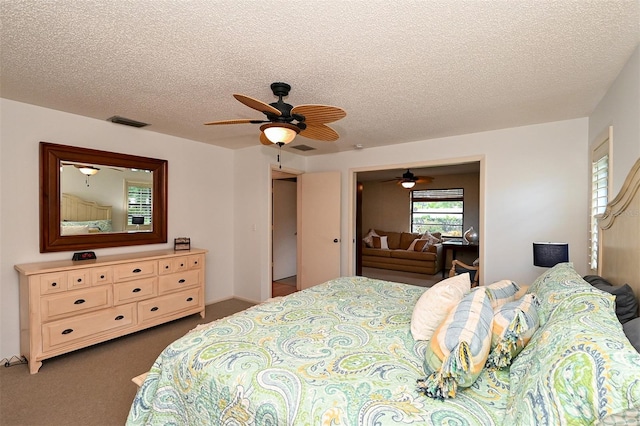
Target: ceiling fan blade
[(319, 113), (424, 179), (238, 121), (257, 105), (320, 132)]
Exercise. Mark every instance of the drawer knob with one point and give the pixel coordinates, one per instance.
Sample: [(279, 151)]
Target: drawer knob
[(195, 263), (79, 302), (189, 299), (135, 290), (54, 284), (182, 264), (102, 277), (166, 266), (155, 308), (119, 317), (67, 331), (79, 280), (135, 271), (182, 281)]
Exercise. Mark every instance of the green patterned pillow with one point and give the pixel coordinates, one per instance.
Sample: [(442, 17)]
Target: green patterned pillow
[(513, 325), (458, 350), (577, 369)]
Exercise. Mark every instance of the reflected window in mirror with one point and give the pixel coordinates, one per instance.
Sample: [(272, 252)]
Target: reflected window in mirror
[(139, 206)]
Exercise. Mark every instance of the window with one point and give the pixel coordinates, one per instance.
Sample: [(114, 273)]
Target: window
[(437, 210), (599, 194), (139, 205)]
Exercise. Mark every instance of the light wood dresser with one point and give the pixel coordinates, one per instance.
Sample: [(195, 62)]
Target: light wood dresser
[(67, 305)]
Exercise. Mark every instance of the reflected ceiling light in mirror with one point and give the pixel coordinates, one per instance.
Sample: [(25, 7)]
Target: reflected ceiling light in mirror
[(88, 170)]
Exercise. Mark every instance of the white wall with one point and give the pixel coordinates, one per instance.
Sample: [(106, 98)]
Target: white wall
[(620, 108), (201, 196), (252, 176), (533, 185)]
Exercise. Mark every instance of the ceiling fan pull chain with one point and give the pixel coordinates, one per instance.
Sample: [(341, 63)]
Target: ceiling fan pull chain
[(279, 152)]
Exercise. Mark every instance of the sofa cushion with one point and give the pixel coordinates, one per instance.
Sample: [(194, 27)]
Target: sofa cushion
[(393, 238), (435, 303), (366, 251), (406, 239), (413, 255), (558, 378)]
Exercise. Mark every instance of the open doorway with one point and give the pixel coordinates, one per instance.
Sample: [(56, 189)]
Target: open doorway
[(384, 204), (284, 233)]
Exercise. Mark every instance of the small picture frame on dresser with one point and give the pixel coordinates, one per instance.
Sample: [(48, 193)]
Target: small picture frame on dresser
[(84, 255), (182, 243)]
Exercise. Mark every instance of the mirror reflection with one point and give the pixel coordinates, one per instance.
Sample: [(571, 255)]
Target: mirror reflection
[(97, 199)]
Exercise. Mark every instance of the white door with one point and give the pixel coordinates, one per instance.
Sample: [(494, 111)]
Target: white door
[(318, 228), (284, 229)]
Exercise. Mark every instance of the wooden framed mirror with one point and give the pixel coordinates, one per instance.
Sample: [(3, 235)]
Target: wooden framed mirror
[(74, 214)]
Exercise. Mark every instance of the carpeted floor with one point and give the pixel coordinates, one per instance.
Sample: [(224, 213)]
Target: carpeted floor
[(92, 386)]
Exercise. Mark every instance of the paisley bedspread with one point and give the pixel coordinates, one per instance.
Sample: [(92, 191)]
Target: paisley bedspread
[(340, 353)]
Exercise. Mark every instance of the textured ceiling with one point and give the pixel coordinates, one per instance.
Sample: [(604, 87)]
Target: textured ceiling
[(403, 70)]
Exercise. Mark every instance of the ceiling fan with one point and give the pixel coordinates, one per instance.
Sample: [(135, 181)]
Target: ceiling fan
[(284, 121), (408, 179)]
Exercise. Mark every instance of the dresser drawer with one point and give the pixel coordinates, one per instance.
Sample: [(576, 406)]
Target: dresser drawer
[(71, 330), (134, 270), (196, 261), (177, 264), (173, 282), (71, 302), (149, 310), (78, 279), (53, 283), (100, 276), (131, 291)]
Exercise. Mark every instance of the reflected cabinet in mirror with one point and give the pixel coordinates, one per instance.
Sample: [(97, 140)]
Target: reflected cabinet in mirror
[(93, 199)]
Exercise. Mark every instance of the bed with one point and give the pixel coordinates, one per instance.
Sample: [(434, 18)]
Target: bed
[(80, 216), (342, 353)]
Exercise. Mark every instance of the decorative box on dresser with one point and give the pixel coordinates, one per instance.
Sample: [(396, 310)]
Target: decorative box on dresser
[(67, 305)]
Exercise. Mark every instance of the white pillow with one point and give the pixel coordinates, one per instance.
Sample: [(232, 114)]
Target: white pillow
[(74, 230), (383, 243), (435, 303), (413, 244), (368, 240)]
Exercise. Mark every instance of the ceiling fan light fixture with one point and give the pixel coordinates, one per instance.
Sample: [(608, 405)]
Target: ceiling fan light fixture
[(88, 170), (408, 184), (280, 132)]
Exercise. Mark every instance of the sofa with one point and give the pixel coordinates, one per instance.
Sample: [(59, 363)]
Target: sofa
[(400, 256)]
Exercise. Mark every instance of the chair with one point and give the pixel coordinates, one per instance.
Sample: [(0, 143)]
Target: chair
[(458, 267)]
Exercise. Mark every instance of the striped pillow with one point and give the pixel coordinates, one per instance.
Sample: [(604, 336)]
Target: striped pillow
[(459, 348), (513, 325), (502, 292)]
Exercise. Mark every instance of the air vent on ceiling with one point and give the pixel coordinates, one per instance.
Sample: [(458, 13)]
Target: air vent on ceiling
[(303, 148), (126, 121)]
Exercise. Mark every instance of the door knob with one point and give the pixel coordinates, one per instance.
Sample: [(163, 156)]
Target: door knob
[(335, 240)]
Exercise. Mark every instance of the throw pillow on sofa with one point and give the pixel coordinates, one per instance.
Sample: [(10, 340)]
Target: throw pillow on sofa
[(368, 240), (380, 242), (459, 348)]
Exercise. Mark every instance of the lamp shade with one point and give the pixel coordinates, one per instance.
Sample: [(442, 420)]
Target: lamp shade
[(408, 184), (548, 254), (137, 220), (88, 170), (280, 132)]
